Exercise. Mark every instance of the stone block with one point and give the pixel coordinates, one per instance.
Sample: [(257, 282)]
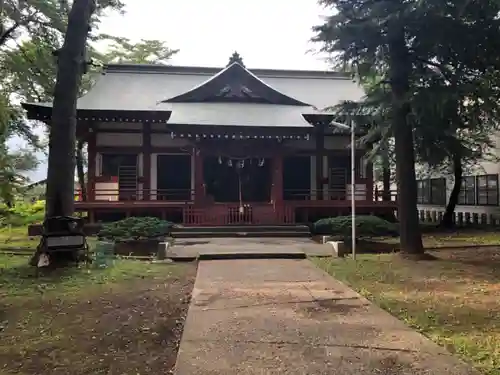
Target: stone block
[(338, 248), (162, 250)]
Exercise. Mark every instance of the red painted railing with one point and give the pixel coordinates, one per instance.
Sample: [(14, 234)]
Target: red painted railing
[(231, 214), (188, 195)]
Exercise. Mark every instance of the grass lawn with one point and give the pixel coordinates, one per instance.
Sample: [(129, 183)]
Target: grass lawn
[(16, 238), (126, 319), (454, 300)]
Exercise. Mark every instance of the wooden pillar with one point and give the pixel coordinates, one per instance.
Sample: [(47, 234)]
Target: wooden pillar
[(369, 181), (277, 189), (277, 180), (199, 182), (320, 150), (146, 162), (91, 162), (369, 177)]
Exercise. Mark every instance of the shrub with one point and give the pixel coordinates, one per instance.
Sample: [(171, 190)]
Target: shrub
[(22, 213), (366, 226), (135, 228)]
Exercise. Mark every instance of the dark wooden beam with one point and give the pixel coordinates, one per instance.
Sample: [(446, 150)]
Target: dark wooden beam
[(146, 161), (139, 149), (320, 150)]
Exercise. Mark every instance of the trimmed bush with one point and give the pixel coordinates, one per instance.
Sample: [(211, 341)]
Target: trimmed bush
[(135, 228), (366, 226)]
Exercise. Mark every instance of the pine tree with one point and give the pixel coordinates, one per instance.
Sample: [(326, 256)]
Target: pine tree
[(400, 41)]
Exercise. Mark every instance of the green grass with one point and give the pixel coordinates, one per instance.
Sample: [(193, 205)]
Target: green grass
[(454, 300), (13, 238), (18, 279), (122, 319)]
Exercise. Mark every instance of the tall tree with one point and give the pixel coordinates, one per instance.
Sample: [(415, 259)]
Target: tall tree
[(123, 50), (62, 138), (29, 67), (400, 41)]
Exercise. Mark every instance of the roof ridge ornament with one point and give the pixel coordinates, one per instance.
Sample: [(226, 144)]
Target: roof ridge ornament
[(236, 58)]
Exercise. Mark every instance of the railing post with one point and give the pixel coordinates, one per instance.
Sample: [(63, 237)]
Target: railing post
[(199, 188)]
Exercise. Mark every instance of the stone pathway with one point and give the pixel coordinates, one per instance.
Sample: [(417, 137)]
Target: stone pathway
[(192, 248), (288, 317)]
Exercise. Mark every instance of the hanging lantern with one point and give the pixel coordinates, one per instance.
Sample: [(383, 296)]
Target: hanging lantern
[(220, 160), (229, 163)]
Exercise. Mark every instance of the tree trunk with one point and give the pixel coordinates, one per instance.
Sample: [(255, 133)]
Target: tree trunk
[(79, 169), (62, 138), (61, 163), (386, 174), (447, 221), (399, 69)]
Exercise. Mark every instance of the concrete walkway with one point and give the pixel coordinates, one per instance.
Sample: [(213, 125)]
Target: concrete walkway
[(192, 248), (288, 317)]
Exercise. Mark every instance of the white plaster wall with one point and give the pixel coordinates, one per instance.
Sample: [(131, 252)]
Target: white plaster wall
[(154, 177), (120, 125), (106, 191), (166, 140), (359, 192), (119, 139), (486, 166)]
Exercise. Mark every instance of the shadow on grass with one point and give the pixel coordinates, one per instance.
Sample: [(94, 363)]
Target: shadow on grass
[(475, 264), (453, 301)]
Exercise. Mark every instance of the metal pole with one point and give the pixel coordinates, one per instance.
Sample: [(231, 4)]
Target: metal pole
[(353, 188)]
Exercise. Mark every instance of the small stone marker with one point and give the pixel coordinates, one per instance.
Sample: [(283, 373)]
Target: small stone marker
[(338, 247), (162, 250)]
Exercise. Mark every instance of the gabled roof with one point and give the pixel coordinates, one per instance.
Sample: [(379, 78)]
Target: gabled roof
[(235, 84)]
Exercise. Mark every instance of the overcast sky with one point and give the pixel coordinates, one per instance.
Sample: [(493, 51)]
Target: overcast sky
[(266, 33)]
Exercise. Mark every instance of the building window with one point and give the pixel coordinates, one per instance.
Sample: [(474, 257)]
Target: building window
[(487, 190), (111, 163), (431, 191), (467, 194), (423, 192), (438, 191)]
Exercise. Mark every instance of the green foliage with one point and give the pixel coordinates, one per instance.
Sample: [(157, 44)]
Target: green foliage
[(22, 214), (122, 50), (366, 226), (135, 228)]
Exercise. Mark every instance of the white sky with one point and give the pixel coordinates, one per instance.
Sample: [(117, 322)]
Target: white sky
[(271, 34), (266, 33)]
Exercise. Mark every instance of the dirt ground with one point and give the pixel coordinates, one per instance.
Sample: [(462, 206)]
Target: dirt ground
[(124, 320)]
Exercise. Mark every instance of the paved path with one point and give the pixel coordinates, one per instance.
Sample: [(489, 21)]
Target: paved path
[(197, 246), (288, 317)]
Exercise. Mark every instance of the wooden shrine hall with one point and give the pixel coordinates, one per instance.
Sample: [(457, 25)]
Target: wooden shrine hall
[(208, 146)]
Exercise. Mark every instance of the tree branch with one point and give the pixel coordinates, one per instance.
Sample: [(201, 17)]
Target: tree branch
[(6, 35)]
